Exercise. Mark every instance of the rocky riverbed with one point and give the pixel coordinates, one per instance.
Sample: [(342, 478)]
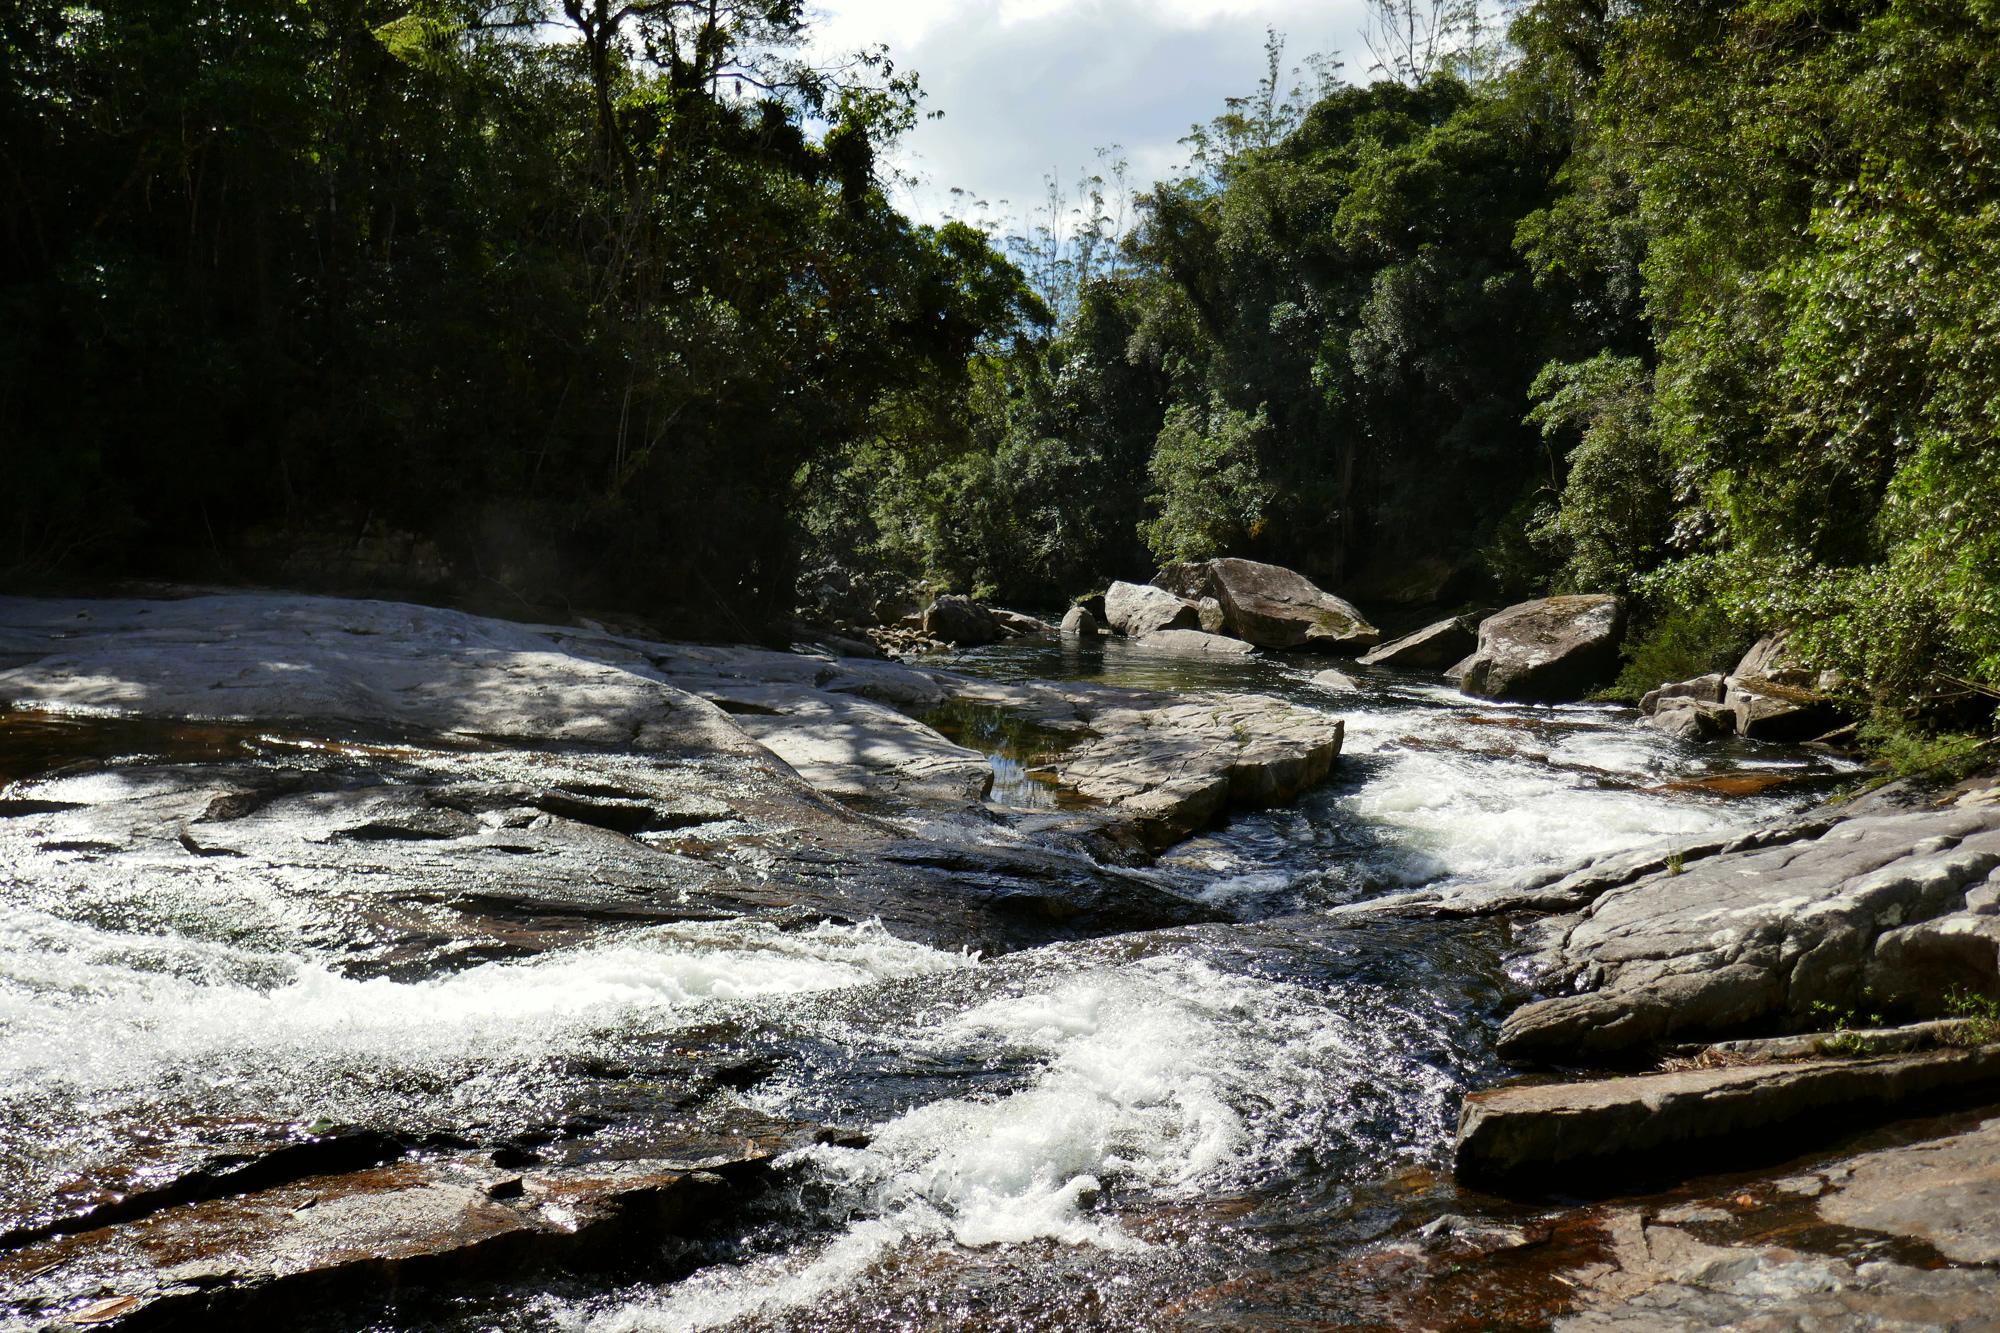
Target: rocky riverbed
[(444, 971)]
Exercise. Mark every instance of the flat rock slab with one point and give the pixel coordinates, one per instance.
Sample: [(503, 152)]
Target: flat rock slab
[(1889, 1240), (1877, 910), (1555, 1136), (1182, 642), (850, 746), (1945, 1192), (265, 656)]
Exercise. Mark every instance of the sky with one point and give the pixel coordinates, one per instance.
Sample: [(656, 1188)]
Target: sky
[(1030, 87)]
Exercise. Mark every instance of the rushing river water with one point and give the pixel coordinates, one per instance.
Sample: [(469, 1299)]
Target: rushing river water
[(1203, 1127)]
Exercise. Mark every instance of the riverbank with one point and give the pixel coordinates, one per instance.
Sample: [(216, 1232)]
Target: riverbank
[(323, 913)]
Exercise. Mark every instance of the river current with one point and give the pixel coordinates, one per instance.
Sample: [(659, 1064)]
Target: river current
[(1203, 1127)]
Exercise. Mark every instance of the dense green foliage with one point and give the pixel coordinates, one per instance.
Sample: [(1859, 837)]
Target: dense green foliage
[(1697, 303), (574, 290), (1320, 354)]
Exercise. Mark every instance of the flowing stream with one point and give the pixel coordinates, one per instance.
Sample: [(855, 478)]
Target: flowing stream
[(1200, 1127)]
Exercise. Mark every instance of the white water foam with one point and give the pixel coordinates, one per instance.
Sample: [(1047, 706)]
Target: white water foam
[(87, 1009), (1478, 813), (1164, 1076)]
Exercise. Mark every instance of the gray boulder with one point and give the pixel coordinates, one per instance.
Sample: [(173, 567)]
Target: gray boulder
[(1551, 650), (1691, 719), (1271, 606), (1432, 648), (960, 621), (1704, 689), (1080, 624), (1135, 608)]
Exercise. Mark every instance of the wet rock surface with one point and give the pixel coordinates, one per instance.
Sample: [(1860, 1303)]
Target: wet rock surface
[(374, 810), (318, 1237), (619, 1011)]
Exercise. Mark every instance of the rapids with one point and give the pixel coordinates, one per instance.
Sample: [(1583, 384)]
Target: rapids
[(1194, 1127)]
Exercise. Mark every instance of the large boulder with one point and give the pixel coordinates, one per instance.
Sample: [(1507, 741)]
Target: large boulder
[(1774, 697), (1432, 648), (1136, 608), (1550, 650), (960, 621), (1271, 606)]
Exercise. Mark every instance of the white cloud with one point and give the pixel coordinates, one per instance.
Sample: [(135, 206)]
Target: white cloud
[(1029, 87)]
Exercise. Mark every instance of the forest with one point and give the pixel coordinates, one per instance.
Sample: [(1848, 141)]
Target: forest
[(568, 303)]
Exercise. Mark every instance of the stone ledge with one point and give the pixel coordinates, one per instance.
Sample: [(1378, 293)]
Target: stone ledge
[(1599, 1134)]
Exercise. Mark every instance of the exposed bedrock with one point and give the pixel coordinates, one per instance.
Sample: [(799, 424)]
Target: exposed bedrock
[(1883, 1240), (1878, 911), (436, 789), (487, 783), (317, 793)]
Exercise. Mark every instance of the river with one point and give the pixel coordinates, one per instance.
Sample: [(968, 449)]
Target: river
[(1202, 1127)]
